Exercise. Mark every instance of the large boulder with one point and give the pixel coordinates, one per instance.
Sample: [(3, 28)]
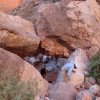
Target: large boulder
[(74, 69), (17, 35), (13, 65), (62, 91), (80, 59), (68, 26)]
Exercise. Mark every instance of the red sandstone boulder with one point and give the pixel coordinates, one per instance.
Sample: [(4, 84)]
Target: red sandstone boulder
[(66, 24), (69, 26), (13, 65), (17, 35), (81, 61)]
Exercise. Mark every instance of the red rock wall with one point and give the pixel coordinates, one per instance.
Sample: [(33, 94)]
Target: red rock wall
[(6, 5)]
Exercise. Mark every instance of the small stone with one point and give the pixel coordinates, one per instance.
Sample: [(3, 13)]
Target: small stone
[(87, 85), (86, 79), (33, 60), (95, 89), (44, 58), (61, 62), (40, 55), (86, 73), (85, 95), (51, 65), (54, 59), (46, 98), (26, 58), (92, 80)]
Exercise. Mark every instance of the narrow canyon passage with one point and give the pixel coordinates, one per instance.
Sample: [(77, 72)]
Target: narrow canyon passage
[(48, 66)]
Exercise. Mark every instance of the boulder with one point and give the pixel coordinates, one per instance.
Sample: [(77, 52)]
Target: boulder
[(33, 60), (27, 58), (92, 80), (13, 65), (87, 85), (95, 89), (17, 35), (45, 58), (65, 27), (80, 59), (75, 68), (85, 95), (62, 91)]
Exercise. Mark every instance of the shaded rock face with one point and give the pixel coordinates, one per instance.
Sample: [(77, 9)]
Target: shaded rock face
[(27, 9), (49, 64), (52, 47), (76, 24), (7, 5), (12, 65), (17, 35)]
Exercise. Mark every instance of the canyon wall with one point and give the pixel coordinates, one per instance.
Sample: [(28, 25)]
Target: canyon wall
[(6, 5)]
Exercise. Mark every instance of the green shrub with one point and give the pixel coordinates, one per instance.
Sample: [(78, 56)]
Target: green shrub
[(13, 90), (95, 66)]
